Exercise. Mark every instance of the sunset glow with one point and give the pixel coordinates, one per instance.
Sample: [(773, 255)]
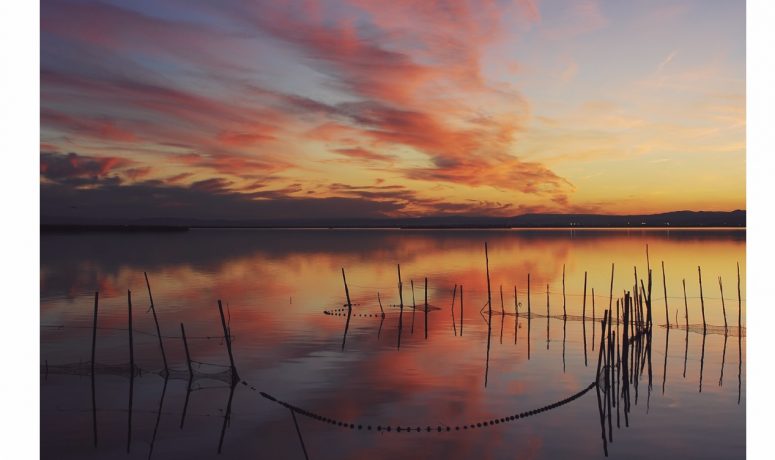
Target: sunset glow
[(229, 109)]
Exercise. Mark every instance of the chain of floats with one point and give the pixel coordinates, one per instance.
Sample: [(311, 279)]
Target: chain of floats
[(343, 311), (428, 428)]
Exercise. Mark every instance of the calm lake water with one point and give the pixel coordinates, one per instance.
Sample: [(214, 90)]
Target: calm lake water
[(283, 297)]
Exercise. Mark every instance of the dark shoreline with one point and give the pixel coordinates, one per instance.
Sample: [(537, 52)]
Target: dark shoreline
[(56, 228)]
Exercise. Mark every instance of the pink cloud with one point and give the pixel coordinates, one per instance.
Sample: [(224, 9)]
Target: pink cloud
[(97, 128)]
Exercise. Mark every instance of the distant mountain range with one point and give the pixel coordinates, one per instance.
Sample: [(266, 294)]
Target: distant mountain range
[(669, 219)]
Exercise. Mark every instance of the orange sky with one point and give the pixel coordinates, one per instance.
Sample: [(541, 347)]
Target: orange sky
[(401, 108)]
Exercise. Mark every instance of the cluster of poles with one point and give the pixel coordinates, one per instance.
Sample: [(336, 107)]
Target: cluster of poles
[(134, 370), (640, 317)]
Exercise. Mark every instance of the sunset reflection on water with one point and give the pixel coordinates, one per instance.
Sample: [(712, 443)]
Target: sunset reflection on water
[(275, 286)]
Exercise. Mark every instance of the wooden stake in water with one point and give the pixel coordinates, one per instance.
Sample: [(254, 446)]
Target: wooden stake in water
[(702, 301), (516, 314), (188, 355), (602, 343), (156, 321), (648, 307), (347, 291), (414, 306), (401, 306), (664, 286), (426, 308), (648, 263), (131, 341), (489, 294), (529, 316), (584, 301), (461, 310), (723, 307), (564, 311), (649, 304), (593, 319), (94, 331), (503, 310), (454, 326), (547, 317), (227, 337), (641, 314), (611, 298), (636, 291), (686, 306), (739, 337), (528, 297), (739, 304)]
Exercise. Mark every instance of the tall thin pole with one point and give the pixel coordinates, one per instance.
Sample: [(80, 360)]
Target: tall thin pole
[(529, 316), (584, 302), (739, 303), (528, 297), (516, 314), (298, 431), (94, 331), (503, 310), (547, 316), (503, 313), (401, 305), (723, 307), (702, 301), (346, 291), (594, 320), (648, 302), (156, 321), (739, 337), (602, 343), (454, 296), (461, 310), (648, 263), (489, 293), (611, 298), (636, 291), (227, 337), (664, 285), (426, 308), (564, 312), (686, 306), (414, 306), (188, 355), (131, 342)]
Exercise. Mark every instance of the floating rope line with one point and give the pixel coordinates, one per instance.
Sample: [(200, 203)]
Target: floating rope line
[(445, 290), (438, 428), (84, 369), (137, 331), (344, 311), (356, 315), (732, 331)]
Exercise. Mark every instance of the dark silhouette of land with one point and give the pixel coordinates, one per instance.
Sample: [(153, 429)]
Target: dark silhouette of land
[(692, 219)]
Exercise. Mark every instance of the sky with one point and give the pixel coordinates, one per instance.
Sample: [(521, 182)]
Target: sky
[(358, 108)]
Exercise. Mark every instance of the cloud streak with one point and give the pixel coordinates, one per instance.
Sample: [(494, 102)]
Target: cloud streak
[(297, 95)]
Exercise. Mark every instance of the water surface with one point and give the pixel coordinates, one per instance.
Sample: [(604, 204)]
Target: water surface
[(276, 287)]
